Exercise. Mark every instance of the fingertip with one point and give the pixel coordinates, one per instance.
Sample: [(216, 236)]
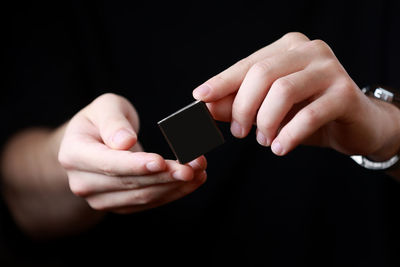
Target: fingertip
[(277, 148), (194, 164), (201, 92), (154, 166), (123, 139), (184, 173), (261, 139), (199, 163), (237, 130), (156, 163)]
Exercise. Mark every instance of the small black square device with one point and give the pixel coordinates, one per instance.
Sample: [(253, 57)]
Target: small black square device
[(191, 132)]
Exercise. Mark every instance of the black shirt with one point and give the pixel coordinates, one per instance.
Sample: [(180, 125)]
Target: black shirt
[(312, 207)]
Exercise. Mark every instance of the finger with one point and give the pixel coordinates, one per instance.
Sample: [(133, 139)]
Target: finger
[(172, 195), (131, 198), (199, 164), (285, 92), (221, 109), (228, 81), (257, 83), (307, 121), (116, 120), (85, 184), (85, 154), (142, 198)]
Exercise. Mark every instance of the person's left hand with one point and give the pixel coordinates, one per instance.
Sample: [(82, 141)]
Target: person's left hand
[(297, 92)]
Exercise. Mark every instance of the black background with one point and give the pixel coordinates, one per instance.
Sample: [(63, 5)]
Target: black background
[(312, 207)]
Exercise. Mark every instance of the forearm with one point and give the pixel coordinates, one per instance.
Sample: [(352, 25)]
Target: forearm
[(35, 186)]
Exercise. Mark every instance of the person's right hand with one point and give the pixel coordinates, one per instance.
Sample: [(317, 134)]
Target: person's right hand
[(107, 166)]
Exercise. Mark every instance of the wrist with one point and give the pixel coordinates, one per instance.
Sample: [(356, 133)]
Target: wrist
[(389, 136), (383, 119)]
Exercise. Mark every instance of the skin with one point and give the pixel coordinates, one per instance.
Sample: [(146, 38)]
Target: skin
[(62, 181), (295, 91)]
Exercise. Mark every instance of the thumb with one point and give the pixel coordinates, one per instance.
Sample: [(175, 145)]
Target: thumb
[(116, 119)]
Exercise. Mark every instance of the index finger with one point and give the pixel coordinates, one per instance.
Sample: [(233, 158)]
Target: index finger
[(89, 155), (229, 81)]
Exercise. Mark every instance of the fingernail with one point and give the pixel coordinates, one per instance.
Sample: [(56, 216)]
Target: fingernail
[(236, 129), (194, 164), (178, 175), (121, 136), (261, 138), (153, 166), (276, 147), (201, 91)]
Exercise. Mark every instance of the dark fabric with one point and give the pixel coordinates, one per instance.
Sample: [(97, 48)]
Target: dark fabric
[(312, 207)]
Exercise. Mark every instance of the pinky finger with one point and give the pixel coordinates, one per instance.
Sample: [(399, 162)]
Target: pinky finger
[(307, 122)]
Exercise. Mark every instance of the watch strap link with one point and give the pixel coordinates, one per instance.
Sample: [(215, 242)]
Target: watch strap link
[(372, 165)]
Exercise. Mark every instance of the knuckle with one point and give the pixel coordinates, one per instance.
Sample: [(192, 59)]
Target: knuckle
[(110, 98), (104, 98), (320, 47), (129, 182), (261, 68), (284, 87), (293, 38), (107, 169), (163, 178), (244, 63), (219, 81), (142, 197), (331, 66), (318, 43), (265, 126), (346, 91), (310, 116), (346, 86)]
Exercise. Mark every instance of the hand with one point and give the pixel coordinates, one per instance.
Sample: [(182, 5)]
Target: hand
[(297, 92), (107, 166)]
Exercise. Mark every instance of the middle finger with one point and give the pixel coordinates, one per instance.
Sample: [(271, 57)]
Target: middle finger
[(88, 183), (257, 83)]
